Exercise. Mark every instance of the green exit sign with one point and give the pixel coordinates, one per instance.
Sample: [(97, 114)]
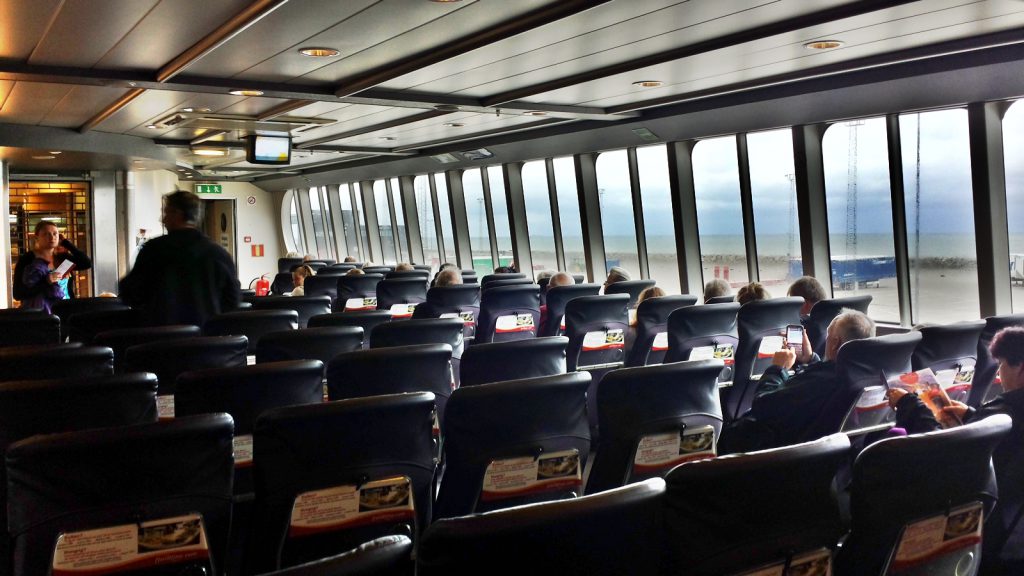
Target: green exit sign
[(208, 189)]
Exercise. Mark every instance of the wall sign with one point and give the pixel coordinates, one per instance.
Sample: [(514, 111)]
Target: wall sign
[(250, 200), (247, 239), (257, 250), (209, 189)]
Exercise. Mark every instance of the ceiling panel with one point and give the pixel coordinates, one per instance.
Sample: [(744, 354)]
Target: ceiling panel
[(22, 24), (5, 91), (289, 27), (84, 30), (355, 118), (436, 129), (146, 108), (169, 29), (80, 104), (253, 106), (30, 102)]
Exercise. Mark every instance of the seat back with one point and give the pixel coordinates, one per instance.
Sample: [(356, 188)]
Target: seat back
[(366, 319), (985, 369), (414, 273), (323, 284), (84, 327), (316, 265), (285, 265), (596, 327), (121, 477), (860, 365), (760, 325), (66, 309), (342, 266), (731, 514), (121, 340), (52, 362), (654, 418), (950, 347), (608, 534), (357, 293), (728, 299), (895, 484), (508, 313), (384, 556), (170, 358), (378, 269), (506, 282), (469, 277), (304, 306), (487, 429), (416, 368), (631, 287), (822, 314), (487, 279), (651, 341), (515, 360), (252, 324), (310, 344), (401, 296), (425, 267), (460, 301), (427, 331), (282, 283), (701, 332), (380, 447), (557, 298), (29, 330)]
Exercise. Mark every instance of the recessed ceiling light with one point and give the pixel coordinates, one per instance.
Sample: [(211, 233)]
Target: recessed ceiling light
[(43, 157), (536, 113), (246, 92), (182, 170), (319, 52), (823, 44), (152, 126), (188, 109), (137, 161), (388, 138), (209, 151), (454, 124), (55, 152), (648, 83)]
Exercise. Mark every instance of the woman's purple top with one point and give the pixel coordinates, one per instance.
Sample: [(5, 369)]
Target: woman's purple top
[(35, 274)]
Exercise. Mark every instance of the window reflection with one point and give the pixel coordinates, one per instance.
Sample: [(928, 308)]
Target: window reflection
[(616, 201), (384, 228), (569, 215), (652, 165), (425, 216), (476, 217), (716, 182), (1013, 153), (773, 195), (502, 233), (538, 216), (447, 233), (348, 221)]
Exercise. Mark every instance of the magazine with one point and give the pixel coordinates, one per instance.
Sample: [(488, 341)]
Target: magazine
[(927, 387)]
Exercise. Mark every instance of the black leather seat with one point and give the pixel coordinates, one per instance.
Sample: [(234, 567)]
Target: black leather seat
[(427, 331), (650, 343), (731, 514), (120, 340), (378, 269), (29, 329), (247, 295), (515, 360), (384, 556), (640, 409), (67, 309), (282, 283), (357, 292), (20, 311), (903, 480), (170, 358), (609, 534), (950, 347), (425, 267), (371, 443), (323, 284), (310, 344), (721, 299), (596, 327), (251, 324), (28, 408), (631, 287), (704, 331), (366, 319), (414, 273), (305, 306), (985, 369), (541, 420), (76, 481), (822, 314), (316, 265), (58, 361), (342, 267), (508, 313), (459, 301), (286, 265), (401, 296), (469, 277), (556, 299), (506, 282), (84, 327), (487, 279), (756, 322)]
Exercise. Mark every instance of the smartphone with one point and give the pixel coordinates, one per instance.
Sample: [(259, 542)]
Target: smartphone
[(795, 337)]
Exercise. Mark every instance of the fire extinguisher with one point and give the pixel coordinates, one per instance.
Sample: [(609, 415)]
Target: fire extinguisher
[(262, 286)]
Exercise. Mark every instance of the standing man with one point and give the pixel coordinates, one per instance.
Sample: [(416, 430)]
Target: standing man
[(182, 277)]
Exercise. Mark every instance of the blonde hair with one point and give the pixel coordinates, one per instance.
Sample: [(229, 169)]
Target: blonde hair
[(652, 292), (751, 293)]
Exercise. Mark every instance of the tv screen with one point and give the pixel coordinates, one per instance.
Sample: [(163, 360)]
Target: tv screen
[(268, 150)]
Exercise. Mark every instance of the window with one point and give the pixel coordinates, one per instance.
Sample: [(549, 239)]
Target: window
[(940, 216), (348, 221), (616, 201), (859, 209), (652, 166), (719, 215), (425, 214), (773, 195), (446, 218), (318, 223), (404, 255), (502, 233), (538, 216), (360, 219), (569, 215), (387, 238), (1013, 153), (476, 216), (298, 240), (325, 206)]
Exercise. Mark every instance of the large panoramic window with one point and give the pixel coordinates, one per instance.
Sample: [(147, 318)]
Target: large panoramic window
[(773, 195), (860, 214), (360, 218), (296, 224), (716, 181), (446, 218), (1013, 153), (425, 215), (538, 216), (348, 221), (476, 217), (318, 224), (404, 255), (387, 238), (616, 201), (325, 207), (940, 216), (652, 165), (569, 215), (502, 233)]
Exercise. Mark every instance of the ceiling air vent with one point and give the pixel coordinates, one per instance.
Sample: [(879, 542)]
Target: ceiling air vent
[(208, 121)]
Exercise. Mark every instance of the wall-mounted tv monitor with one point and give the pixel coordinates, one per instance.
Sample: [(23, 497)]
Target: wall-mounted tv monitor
[(268, 149)]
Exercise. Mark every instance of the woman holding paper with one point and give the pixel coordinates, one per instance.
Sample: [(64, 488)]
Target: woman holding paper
[(42, 275)]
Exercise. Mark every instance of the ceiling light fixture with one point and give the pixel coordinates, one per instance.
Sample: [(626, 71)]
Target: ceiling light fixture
[(246, 92), (55, 152), (43, 157), (823, 45), (446, 107), (648, 83), (210, 151), (536, 113), (454, 124), (388, 138), (152, 126), (319, 52)]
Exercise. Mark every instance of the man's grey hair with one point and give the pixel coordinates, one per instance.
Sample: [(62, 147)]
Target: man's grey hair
[(716, 287), (852, 325), (561, 279), (448, 277)]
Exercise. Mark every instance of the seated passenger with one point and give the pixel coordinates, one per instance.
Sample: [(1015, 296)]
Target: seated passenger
[(752, 293), (349, 259), (308, 257), (557, 279), (716, 287), (616, 274), (808, 288), (355, 272), (293, 254), (442, 268), (786, 402), (448, 277), (404, 267), (652, 292), (1003, 546), (299, 275)]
